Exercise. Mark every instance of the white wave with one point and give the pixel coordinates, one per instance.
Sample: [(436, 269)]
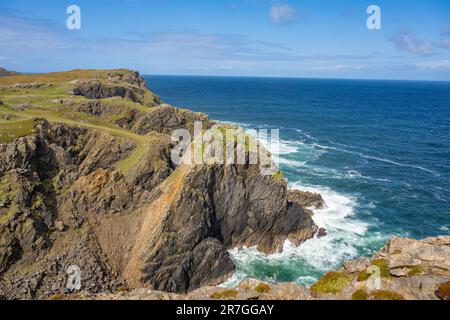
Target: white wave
[(305, 134), (306, 279), (365, 156), (355, 174), (345, 234), (399, 164), (292, 163)]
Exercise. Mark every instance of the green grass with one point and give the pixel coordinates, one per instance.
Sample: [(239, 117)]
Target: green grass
[(360, 295), (262, 288), (10, 130), (65, 76), (128, 163), (384, 270), (228, 294), (331, 282), (385, 295), (57, 86), (278, 176), (415, 270), (7, 216)]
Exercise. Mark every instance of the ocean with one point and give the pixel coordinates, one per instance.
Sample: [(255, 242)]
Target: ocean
[(377, 151)]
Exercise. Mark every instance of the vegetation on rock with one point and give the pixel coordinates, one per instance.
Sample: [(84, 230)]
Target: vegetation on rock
[(332, 282), (262, 288), (360, 295), (229, 294), (385, 295)]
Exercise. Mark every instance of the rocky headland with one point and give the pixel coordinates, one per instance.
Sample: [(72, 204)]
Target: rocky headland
[(87, 181)]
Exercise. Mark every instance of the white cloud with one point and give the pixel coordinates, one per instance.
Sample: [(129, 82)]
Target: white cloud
[(445, 32), (434, 65), (282, 13), (405, 40)]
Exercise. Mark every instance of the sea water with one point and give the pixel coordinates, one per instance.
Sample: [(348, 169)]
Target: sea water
[(377, 151)]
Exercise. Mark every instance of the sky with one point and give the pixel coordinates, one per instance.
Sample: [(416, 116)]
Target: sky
[(303, 38)]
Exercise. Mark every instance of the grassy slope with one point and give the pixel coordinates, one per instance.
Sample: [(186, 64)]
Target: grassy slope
[(18, 122)]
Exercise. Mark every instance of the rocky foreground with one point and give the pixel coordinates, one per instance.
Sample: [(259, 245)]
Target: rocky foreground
[(406, 269), (87, 185)]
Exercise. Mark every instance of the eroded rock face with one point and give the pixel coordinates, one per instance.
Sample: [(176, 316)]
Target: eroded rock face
[(94, 89), (307, 199), (128, 85), (164, 119), (232, 205), (108, 199), (61, 200)]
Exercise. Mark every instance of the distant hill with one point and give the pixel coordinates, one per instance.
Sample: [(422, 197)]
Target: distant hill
[(4, 72)]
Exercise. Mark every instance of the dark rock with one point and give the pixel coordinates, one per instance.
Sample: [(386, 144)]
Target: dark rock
[(322, 233), (307, 199)]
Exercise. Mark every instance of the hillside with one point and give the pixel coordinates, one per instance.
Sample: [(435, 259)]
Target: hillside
[(4, 72)]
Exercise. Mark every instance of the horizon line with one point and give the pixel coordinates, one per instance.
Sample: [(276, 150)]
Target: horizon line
[(241, 76)]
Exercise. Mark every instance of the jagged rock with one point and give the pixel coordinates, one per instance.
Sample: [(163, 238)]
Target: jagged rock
[(400, 272), (164, 119), (59, 225), (238, 208), (353, 266), (321, 233), (307, 199), (443, 291), (95, 89), (148, 222)]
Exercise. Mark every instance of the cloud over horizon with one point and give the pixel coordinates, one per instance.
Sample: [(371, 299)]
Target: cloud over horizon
[(405, 40), (282, 13), (232, 45)]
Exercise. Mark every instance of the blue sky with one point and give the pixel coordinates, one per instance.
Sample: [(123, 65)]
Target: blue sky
[(304, 38)]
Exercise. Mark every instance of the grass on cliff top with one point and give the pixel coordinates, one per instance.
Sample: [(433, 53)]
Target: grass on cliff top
[(384, 270), (39, 102), (65, 76), (332, 282), (10, 130)]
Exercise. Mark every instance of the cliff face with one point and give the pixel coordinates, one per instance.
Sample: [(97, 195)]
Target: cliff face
[(86, 180)]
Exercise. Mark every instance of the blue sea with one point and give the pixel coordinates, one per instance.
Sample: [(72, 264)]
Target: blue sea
[(377, 151)]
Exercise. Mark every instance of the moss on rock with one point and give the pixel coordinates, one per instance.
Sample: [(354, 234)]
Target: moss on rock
[(360, 295), (331, 282), (385, 295), (262, 288), (229, 294)]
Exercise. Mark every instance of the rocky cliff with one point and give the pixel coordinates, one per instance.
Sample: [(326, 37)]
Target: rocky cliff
[(87, 182)]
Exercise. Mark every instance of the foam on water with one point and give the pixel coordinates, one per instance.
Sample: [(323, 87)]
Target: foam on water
[(309, 260), (315, 256), (366, 146)]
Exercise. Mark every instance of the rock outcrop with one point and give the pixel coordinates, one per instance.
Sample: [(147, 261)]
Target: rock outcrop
[(404, 269), (93, 187)]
